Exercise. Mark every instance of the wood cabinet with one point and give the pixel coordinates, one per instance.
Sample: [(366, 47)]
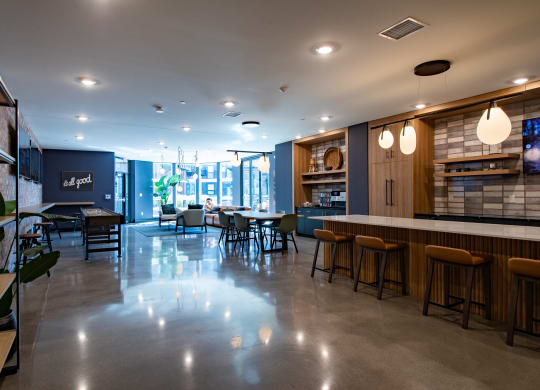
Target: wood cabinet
[(401, 185)]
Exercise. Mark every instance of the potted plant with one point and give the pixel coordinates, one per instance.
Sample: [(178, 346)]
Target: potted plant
[(163, 187)]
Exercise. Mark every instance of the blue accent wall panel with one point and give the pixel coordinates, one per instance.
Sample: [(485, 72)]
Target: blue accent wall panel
[(358, 169), (100, 163), (283, 189)]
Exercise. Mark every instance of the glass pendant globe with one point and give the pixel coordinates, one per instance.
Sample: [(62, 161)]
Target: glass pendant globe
[(386, 139), (407, 140), (496, 129), (236, 161), (263, 164), (194, 177)]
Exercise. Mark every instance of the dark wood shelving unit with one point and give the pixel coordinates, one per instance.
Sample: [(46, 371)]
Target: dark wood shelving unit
[(487, 157), (486, 172)]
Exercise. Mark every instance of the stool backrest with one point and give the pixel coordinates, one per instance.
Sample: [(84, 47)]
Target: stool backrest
[(324, 235), (452, 255), (370, 242), (287, 223), (525, 267)]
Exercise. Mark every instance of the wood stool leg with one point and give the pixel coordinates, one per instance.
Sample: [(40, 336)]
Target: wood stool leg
[(468, 293), (357, 278), (427, 294), (529, 305), (48, 235), (486, 273), (446, 283), (377, 259), (351, 259), (512, 307), (381, 276), (315, 257), (403, 271), (332, 262)]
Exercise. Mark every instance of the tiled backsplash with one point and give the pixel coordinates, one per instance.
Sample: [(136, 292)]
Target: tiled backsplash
[(512, 196), (317, 152)]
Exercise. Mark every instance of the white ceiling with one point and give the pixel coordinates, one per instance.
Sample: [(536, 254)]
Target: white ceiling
[(203, 52)]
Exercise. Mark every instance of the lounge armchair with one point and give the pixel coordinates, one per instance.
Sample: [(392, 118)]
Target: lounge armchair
[(168, 213), (191, 218)]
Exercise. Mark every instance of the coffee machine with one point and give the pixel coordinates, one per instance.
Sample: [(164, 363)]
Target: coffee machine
[(338, 199)]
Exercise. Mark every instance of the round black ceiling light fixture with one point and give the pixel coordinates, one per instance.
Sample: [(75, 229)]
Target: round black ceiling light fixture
[(431, 68), (251, 124)]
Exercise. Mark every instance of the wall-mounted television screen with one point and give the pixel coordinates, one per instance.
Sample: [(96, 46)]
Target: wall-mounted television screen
[(531, 145)]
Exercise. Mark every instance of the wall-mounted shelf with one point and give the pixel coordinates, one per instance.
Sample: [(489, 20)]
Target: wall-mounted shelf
[(329, 181), (479, 173), (7, 338), (336, 171), (487, 157), (6, 158)]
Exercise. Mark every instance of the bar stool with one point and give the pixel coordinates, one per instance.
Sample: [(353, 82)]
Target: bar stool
[(459, 258), (528, 271), (381, 250), (27, 241), (45, 229), (334, 240)]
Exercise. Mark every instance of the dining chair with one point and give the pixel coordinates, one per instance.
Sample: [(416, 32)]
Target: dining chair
[(243, 232), (286, 227)]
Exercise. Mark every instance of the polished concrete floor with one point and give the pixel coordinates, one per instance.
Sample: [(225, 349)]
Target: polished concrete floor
[(182, 313)]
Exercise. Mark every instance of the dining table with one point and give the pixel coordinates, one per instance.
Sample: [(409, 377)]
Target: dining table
[(260, 218)]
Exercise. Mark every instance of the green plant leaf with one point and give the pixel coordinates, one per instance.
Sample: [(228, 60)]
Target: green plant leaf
[(38, 266), (11, 205)]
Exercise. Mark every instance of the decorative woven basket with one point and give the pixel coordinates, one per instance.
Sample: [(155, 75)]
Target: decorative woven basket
[(333, 159)]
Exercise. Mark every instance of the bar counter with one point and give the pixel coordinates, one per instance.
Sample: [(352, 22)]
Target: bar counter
[(500, 241)]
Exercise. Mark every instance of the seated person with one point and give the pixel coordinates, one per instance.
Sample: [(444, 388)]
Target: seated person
[(209, 204)]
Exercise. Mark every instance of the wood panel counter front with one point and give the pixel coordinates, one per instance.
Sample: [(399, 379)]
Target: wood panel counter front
[(500, 241)]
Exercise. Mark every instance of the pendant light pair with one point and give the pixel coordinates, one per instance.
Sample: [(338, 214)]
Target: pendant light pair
[(407, 138)]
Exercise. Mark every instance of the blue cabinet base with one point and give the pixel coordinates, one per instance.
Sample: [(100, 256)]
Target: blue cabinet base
[(306, 225)]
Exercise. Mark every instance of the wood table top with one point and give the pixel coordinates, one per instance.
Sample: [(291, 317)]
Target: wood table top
[(256, 215)]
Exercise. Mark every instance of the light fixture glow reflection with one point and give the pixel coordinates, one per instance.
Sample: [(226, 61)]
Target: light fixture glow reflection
[(520, 81), (324, 49)]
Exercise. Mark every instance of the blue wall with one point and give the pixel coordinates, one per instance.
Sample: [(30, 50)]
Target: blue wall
[(100, 163), (358, 169), (283, 178), (140, 190)]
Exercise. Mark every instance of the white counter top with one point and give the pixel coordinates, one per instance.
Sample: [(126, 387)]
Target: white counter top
[(514, 232)]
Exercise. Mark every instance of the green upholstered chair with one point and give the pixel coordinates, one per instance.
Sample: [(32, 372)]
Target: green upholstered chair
[(227, 228), (285, 229)]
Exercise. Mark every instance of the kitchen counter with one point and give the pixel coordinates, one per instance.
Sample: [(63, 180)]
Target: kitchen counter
[(500, 241), (515, 232)]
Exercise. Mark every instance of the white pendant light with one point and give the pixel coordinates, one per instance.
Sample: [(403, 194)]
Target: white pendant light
[(494, 126), (263, 164), (236, 160), (386, 139), (407, 139)]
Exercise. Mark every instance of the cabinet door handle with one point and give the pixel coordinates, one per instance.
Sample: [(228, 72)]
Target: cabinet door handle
[(387, 154), (386, 191), (391, 154), (391, 192)]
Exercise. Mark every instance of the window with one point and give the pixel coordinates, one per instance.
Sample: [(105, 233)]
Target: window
[(209, 182), (161, 170), (186, 190), (226, 184), (256, 185), (246, 188)]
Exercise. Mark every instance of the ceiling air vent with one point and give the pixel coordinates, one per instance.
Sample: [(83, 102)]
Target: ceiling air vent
[(402, 29), (232, 114)]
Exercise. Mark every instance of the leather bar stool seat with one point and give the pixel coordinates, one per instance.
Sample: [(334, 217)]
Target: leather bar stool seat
[(528, 272), (454, 257), (29, 236), (334, 239), (380, 249)]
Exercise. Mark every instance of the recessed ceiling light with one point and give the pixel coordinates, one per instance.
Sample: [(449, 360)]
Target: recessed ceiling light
[(324, 48), (420, 106), (298, 137), (229, 104), (159, 109), (322, 131), (325, 118), (264, 136), (79, 137), (82, 118), (251, 124), (520, 81), (161, 143), (186, 128), (87, 81), (182, 102)]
